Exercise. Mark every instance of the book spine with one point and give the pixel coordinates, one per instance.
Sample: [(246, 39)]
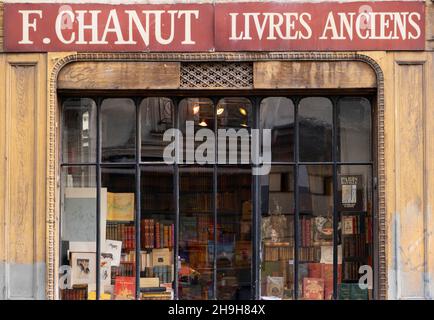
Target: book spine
[(157, 235), (161, 235)]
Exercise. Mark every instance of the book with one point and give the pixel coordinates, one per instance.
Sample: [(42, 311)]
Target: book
[(125, 287), (149, 282), (347, 225), (102, 296), (275, 286), (350, 192), (313, 288), (352, 291), (78, 292), (161, 257), (314, 270), (153, 289), (120, 206)]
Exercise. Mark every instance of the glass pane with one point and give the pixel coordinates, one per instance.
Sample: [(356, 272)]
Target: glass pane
[(79, 131), (118, 130), (315, 125), (157, 233), (315, 272), (196, 238), (120, 242), (235, 115), (234, 233), (356, 236), (277, 230), (354, 129), (78, 232), (196, 114), (156, 118), (277, 114)]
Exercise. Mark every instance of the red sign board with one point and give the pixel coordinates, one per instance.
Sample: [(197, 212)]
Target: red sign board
[(264, 26)]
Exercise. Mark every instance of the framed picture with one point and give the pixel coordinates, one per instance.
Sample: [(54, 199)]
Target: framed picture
[(83, 265), (114, 248)]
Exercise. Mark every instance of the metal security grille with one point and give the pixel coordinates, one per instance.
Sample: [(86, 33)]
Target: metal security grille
[(217, 75)]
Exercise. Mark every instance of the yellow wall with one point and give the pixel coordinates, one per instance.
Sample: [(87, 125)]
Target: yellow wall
[(409, 162), (22, 175)]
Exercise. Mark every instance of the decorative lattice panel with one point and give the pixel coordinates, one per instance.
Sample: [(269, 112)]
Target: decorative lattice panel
[(217, 75)]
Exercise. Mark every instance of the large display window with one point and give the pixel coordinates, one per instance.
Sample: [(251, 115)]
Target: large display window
[(134, 226)]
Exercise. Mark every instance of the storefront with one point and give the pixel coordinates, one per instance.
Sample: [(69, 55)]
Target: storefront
[(253, 151)]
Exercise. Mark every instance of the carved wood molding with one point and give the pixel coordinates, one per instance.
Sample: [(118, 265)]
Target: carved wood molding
[(52, 190)]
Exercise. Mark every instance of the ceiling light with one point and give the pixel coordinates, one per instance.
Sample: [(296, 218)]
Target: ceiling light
[(220, 110), (196, 109)]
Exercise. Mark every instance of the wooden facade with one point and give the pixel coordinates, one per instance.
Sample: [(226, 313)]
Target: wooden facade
[(29, 173)]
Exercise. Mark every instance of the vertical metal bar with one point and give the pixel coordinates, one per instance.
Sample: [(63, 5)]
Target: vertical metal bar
[(335, 213), (98, 198), (215, 185), (175, 115), (138, 196), (296, 198), (256, 201)]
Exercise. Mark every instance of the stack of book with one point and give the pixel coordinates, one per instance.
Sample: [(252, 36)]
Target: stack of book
[(352, 291), (276, 251), (78, 292), (156, 234)]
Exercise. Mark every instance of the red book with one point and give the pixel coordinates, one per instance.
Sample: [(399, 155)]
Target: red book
[(125, 287), (157, 235), (303, 232), (145, 234), (142, 234), (151, 233), (308, 232), (166, 237), (314, 270)]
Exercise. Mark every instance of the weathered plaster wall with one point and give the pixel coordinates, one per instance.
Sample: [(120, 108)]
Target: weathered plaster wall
[(409, 150)]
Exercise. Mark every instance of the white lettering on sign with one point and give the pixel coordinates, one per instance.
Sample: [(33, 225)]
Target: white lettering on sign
[(382, 26), (208, 27), (89, 21), (280, 25), (27, 24)]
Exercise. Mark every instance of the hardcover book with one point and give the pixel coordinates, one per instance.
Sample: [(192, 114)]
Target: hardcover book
[(125, 287), (161, 257), (275, 286), (313, 288)]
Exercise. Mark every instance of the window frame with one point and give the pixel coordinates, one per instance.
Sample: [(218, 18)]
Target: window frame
[(255, 99)]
